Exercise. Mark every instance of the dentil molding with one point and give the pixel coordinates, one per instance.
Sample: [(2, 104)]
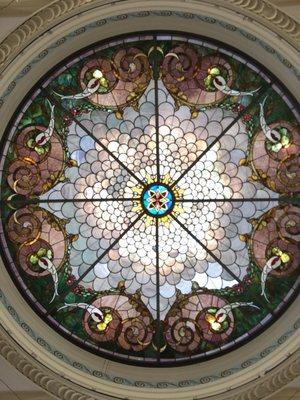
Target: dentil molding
[(259, 10), (64, 390)]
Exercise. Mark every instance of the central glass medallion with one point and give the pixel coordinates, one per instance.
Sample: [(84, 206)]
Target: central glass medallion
[(157, 200)]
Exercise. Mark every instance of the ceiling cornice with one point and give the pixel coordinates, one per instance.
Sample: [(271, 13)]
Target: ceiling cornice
[(263, 12), (282, 3), (30, 41), (64, 390)]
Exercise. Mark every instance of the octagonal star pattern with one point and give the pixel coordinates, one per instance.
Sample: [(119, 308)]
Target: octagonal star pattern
[(149, 192), (217, 175)]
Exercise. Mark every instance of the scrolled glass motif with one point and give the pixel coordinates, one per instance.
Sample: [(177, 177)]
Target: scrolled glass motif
[(150, 199)]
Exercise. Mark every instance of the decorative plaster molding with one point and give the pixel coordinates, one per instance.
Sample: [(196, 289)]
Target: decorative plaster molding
[(30, 368), (62, 389), (259, 10), (35, 25), (25, 395), (268, 12), (218, 375), (119, 18), (272, 382)]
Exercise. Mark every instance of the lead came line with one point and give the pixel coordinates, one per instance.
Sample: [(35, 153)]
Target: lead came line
[(157, 288), (156, 122), (26, 202), (206, 249), (75, 120), (258, 300), (156, 77), (91, 267), (289, 200), (253, 102)]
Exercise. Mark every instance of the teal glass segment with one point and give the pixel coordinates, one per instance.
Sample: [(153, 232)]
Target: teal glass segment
[(158, 200)]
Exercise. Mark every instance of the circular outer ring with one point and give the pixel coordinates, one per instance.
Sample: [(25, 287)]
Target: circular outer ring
[(254, 371)]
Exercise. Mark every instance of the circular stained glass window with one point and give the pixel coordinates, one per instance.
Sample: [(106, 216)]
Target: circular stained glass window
[(149, 199)]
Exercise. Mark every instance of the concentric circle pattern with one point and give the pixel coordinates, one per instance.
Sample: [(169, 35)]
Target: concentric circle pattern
[(149, 192)]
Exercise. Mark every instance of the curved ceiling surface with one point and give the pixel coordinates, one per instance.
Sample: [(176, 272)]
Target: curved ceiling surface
[(148, 199)]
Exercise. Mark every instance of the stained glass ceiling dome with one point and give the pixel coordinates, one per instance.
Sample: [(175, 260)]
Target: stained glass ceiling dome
[(148, 199)]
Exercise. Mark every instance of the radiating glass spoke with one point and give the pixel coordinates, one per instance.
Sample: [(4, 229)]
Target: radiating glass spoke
[(155, 68), (257, 299), (113, 244), (25, 202), (157, 288), (76, 121), (288, 200), (255, 101), (206, 249)]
